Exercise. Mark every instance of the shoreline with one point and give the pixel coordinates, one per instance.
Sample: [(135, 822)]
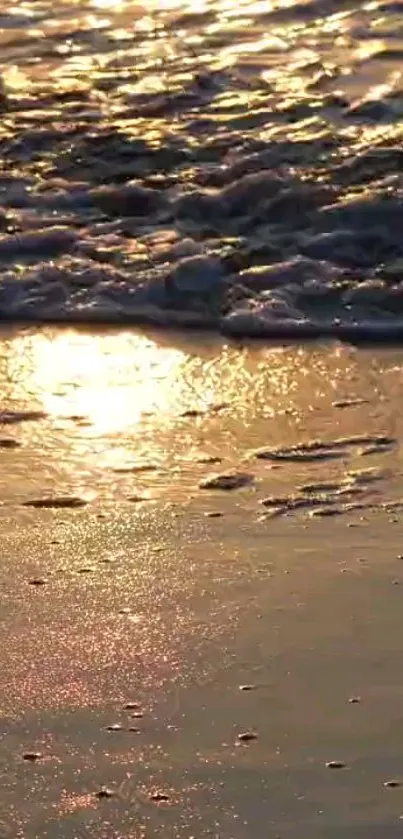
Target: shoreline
[(239, 328)]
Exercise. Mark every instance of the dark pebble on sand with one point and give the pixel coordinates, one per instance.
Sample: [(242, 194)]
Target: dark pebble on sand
[(11, 417), (37, 581), (227, 481), (159, 797), (326, 512), (132, 706), (190, 413), (7, 443), (247, 687), (104, 792), (392, 784), (114, 727), (31, 757), (213, 515), (354, 700), (247, 736), (349, 403), (335, 764), (58, 502)]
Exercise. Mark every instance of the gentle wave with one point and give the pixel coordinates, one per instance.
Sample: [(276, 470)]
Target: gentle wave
[(236, 169)]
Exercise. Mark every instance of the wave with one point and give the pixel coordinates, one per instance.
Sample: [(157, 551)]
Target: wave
[(254, 188)]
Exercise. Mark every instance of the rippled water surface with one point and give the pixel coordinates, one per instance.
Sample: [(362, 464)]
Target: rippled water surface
[(227, 164)]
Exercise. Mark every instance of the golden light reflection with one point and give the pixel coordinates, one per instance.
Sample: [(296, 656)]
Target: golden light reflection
[(135, 417), (110, 381), (217, 35), (369, 49), (113, 381), (266, 42), (15, 79)]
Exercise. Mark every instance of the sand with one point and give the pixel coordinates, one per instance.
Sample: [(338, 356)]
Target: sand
[(179, 659)]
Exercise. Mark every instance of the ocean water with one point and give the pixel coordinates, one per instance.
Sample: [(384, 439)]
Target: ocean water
[(219, 164)]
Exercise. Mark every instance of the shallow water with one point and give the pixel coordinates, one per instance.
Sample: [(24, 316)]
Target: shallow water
[(128, 576), (221, 164)]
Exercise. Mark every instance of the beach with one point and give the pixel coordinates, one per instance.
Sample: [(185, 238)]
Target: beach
[(178, 660), (200, 532)]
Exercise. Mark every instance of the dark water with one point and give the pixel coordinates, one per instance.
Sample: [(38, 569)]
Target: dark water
[(235, 165)]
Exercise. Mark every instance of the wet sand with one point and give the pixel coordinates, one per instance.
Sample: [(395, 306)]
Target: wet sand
[(220, 165), (182, 660)]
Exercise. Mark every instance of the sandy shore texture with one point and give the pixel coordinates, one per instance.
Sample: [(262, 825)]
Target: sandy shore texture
[(201, 588)]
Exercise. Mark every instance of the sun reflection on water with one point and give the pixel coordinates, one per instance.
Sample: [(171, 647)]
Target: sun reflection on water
[(110, 380), (115, 381), (140, 417)]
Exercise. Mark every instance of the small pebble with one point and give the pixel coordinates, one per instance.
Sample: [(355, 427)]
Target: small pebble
[(325, 512), (104, 792), (31, 757), (247, 687), (191, 412), (37, 581), (247, 736), (392, 784), (10, 417), (354, 700), (159, 796), (132, 706), (227, 481), (114, 727), (335, 764), (347, 403), (71, 502), (136, 467), (213, 515)]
